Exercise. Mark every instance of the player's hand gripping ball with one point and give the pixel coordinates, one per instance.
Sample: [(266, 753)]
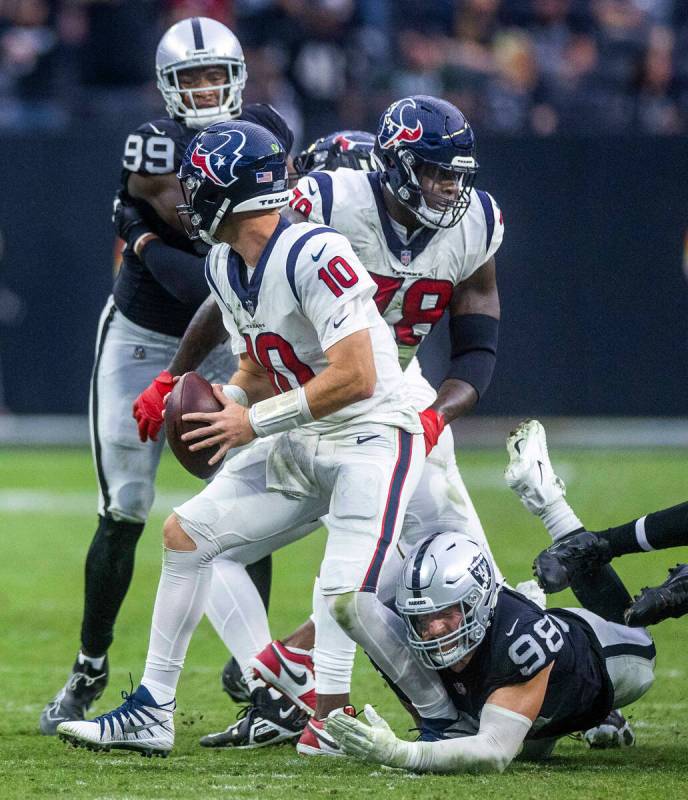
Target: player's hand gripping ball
[(191, 393)]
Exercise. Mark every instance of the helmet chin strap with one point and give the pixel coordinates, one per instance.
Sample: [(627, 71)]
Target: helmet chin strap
[(198, 123)]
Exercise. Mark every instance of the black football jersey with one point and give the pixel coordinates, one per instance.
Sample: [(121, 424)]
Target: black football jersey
[(522, 640), (157, 148)]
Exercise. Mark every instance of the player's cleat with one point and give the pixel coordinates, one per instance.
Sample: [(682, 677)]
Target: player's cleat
[(234, 683), (139, 724), (289, 671), (614, 731), (267, 720), (655, 604), (529, 472), (316, 741), (84, 686), (578, 553)]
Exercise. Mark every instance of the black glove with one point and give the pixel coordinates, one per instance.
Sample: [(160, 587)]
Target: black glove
[(128, 222)]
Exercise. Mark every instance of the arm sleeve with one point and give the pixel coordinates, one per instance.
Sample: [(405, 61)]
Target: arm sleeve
[(492, 749), (180, 273), (334, 290)]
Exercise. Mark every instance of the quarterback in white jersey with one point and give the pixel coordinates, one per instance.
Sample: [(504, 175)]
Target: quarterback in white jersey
[(352, 445)]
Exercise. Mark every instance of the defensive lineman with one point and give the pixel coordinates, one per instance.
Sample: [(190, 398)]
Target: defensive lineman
[(317, 363), (201, 74), (517, 675)]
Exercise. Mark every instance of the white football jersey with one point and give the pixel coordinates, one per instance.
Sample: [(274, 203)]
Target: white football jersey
[(307, 292), (415, 281)]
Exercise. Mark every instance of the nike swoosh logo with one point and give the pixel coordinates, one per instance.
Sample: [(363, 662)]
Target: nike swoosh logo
[(364, 439), (513, 627), (315, 258), (337, 324), (540, 465), (284, 714), (298, 679), (311, 190), (517, 446), (137, 728)]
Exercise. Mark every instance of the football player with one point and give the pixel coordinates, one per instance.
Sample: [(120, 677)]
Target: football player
[(316, 363), (201, 74), (517, 674), (428, 239), (578, 555)]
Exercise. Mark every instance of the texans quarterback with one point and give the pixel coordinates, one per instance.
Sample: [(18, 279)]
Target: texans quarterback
[(318, 365), (428, 240), (519, 676), (201, 74)]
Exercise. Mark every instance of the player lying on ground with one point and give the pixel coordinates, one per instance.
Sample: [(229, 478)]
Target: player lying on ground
[(320, 369), (160, 285), (517, 674), (428, 239), (577, 558)]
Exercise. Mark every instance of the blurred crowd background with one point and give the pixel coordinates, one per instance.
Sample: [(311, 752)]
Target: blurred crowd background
[(516, 67), (581, 114)]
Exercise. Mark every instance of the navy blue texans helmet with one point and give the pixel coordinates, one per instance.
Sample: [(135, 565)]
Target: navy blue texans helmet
[(350, 149), (229, 168), (425, 150)]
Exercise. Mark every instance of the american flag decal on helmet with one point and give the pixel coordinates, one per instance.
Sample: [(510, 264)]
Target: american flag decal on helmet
[(264, 177)]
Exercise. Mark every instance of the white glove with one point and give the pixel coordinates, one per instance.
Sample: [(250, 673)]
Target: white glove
[(374, 742)]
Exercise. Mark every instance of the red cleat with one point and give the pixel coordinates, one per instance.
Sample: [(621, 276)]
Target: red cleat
[(315, 741), (290, 671)]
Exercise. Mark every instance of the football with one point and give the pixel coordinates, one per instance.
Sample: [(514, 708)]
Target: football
[(192, 392)]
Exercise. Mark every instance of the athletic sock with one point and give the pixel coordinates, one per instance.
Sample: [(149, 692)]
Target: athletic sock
[(334, 652), (109, 567), (179, 605), (236, 611), (560, 520), (95, 663), (657, 531)]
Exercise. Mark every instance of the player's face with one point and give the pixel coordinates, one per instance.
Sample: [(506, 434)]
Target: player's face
[(202, 81), (438, 624), (441, 188)]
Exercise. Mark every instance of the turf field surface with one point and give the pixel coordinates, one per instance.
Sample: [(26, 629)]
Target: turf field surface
[(47, 519)]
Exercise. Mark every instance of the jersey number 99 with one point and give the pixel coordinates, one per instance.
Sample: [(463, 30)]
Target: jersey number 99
[(154, 153)]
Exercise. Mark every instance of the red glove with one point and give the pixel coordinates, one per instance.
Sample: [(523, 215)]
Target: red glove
[(433, 424), (148, 406)]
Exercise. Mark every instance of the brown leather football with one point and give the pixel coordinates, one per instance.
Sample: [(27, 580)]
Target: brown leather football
[(192, 392)]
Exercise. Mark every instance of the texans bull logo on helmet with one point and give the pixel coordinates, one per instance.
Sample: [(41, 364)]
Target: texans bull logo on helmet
[(400, 124), (206, 155)]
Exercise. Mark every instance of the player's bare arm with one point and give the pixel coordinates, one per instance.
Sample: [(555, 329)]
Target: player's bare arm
[(162, 192), (204, 333), (470, 334)]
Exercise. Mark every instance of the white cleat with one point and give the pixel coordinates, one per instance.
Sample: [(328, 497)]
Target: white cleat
[(138, 724), (529, 472)]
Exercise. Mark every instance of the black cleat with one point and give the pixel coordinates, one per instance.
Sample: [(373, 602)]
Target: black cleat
[(578, 553), (267, 720), (653, 605), (614, 731), (84, 686), (234, 683)]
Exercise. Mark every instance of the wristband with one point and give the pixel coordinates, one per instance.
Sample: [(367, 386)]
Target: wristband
[(280, 413), (236, 393)]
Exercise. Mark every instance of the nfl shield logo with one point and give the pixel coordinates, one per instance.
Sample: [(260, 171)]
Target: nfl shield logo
[(406, 257), (250, 306)]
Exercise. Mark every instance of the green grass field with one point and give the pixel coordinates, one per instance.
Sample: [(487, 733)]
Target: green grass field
[(47, 519)]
